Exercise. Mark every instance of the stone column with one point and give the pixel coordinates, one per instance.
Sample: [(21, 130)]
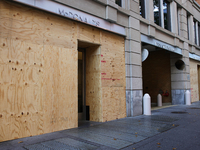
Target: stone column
[(191, 28), (180, 78), (174, 18), (183, 23), (133, 63), (149, 10)]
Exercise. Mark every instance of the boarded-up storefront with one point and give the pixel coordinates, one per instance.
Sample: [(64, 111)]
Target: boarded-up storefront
[(39, 72), (194, 79)]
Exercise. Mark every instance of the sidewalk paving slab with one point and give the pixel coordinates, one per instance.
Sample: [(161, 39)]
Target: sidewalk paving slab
[(170, 128)]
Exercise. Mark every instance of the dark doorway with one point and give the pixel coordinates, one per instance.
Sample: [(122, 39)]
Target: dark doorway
[(81, 84)]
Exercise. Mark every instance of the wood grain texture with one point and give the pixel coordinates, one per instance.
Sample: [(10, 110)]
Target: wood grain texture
[(113, 76), (93, 83), (194, 80), (38, 72)]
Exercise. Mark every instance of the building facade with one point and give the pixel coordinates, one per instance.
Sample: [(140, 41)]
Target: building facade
[(63, 61)]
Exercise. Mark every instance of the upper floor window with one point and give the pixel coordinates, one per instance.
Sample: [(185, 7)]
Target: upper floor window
[(195, 26), (162, 13), (156, 10), (166, 13), (118, 2), (142, 8), (178, 21), (198, 34)]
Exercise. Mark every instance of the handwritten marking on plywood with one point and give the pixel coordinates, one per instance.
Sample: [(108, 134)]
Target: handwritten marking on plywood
[(113, 77)]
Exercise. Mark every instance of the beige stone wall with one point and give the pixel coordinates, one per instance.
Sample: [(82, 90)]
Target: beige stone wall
[(38, 72), (194, 81)]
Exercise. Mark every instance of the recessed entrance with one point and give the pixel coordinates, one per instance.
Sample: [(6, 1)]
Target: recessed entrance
[(81, 84), (157, 76), (89, 83)]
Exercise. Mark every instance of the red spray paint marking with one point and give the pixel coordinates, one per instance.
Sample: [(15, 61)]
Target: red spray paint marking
[(103, 61), (109, 79), (101, 55), (106, 79), (103, 73)]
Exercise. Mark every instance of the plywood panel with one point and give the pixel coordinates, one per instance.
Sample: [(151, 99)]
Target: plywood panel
[(38, 72), (60, 88), (20, 88), (87, 33), (194, 81), (93, 83), (113, 76)]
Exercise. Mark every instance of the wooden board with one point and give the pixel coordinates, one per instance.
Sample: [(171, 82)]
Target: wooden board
[(38, 72), (194, 80), (93, 82), (113, 76)]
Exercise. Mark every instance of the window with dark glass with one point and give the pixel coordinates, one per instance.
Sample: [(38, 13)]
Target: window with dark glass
[(118, 2), (178, 17), (188, 29), (156, 10), (199, 33), (142, 8), (162, 13), (166, 14), (195, 31)]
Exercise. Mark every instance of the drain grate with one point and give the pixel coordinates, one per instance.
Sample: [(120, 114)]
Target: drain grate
[(179, 112), (163, 118), (195, 108)]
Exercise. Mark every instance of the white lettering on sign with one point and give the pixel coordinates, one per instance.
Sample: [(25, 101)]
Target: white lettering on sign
[(164, 46), (78, 17), (68, 12)]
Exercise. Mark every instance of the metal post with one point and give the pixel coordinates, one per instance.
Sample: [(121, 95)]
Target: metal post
[(159, 100), (187, 98), (147, 104)]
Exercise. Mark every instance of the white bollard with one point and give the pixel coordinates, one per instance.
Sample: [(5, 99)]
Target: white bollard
[(159, 100), (147, 104), (187, 97)]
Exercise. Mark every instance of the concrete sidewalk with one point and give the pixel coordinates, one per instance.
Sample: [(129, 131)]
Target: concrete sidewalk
[(171, 128)]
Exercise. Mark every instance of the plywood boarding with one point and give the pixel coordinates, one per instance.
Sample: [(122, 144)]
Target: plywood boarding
[(38, 75), (194, 81), (93, 82), (38, 72), (113, 76)]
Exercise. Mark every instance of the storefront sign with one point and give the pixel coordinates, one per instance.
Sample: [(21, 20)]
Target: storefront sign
[(160, 44), (57, 8), (170, 48), (78, 17), (194, 56)]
